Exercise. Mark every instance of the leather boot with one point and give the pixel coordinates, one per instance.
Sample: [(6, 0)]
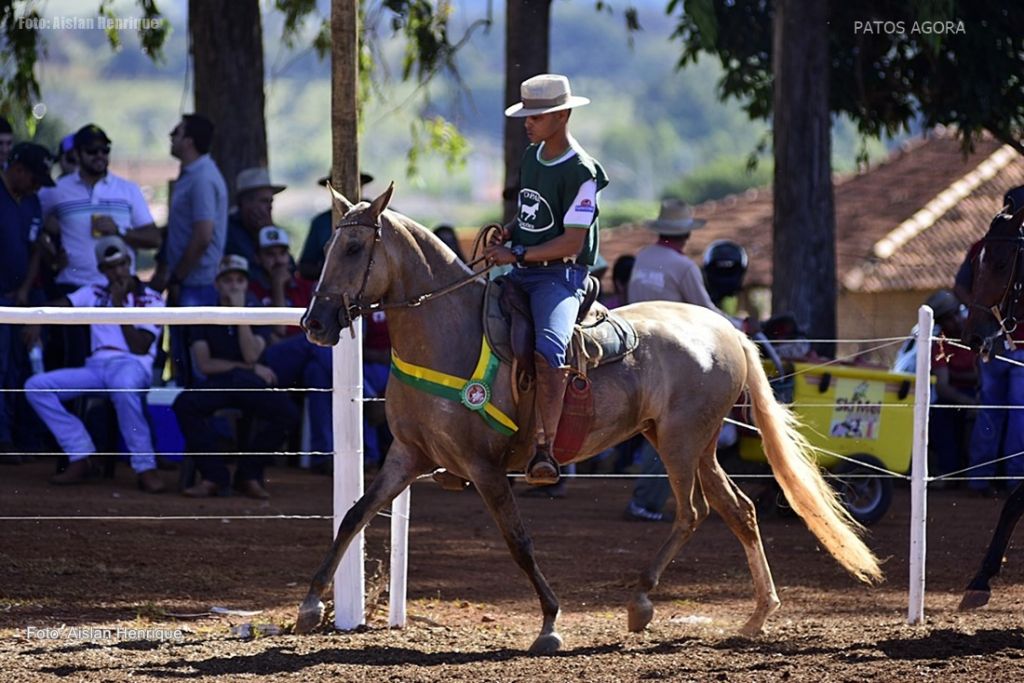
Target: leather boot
[(76, 473), (547, 406)]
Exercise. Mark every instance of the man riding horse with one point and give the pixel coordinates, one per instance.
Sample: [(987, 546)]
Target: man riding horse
[(554, 238)]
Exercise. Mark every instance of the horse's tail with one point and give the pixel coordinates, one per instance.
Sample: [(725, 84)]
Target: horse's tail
[(792, 462)]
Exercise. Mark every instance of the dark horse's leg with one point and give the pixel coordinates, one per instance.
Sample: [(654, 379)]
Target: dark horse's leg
[(497, 496), (680, 460), (401, 467), (978, 591)]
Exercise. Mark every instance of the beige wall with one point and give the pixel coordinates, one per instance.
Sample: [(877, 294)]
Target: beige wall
[(877, 315)]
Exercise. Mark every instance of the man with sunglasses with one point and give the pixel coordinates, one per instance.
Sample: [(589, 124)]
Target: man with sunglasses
[(85, 206)]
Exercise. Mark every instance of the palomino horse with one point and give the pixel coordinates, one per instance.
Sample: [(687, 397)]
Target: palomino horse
[(675, 388), (997, 306)]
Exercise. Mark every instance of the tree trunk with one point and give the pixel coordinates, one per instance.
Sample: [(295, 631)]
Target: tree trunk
[(527, 27), (344, 99), (226, 39), (803, 223)]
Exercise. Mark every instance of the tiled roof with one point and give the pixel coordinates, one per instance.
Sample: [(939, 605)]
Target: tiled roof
[(870, 206)]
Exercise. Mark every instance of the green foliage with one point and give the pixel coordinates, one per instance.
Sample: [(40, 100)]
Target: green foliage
[(623, 211), (436, 135), (720, 178), (966, 73)]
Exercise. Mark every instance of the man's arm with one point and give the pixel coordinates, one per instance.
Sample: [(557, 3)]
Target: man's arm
[(202, 236), (144, 237), (208, 365)]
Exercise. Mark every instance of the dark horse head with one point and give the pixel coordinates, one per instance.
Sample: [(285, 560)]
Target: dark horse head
[(349, 281), (997, 288)]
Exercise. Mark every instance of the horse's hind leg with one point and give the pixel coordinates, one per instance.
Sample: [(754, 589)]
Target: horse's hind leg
[(739, 514), (691, 510), (400, 468), (497, 496), (978, 590)]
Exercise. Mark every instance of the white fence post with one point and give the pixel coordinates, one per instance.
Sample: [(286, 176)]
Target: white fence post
[(919, 467), (399, 558), (347, 412)]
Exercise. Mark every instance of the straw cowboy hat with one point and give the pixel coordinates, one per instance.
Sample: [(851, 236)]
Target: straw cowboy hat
[(255, 178), (543, 94), (675, 218)]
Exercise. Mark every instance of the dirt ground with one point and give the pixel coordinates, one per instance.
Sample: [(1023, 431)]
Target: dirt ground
[(68, 586)]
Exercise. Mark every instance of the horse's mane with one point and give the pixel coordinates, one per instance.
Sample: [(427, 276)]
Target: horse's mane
[(429, 244)]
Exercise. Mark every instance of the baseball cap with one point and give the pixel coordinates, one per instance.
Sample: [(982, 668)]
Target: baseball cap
[(90, 133), (111, 249), (67, 143), (273, 236), (233, 262), (36, 159)]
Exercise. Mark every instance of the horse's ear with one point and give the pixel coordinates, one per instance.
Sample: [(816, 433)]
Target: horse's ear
[(378, 205), (339, 200)]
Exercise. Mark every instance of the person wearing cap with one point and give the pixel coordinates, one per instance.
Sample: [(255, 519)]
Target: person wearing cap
[(6, 140), (82, 207), (956, 382), (228, 356), (254, 199), (27, 170), (662, 272), (121, 361), (295, 360), (196, 231), (311, 260), (66, 157), (554, 239)]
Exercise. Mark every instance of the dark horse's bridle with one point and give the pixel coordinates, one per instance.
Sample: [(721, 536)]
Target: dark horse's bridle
[(1005, 312), (353, 308)]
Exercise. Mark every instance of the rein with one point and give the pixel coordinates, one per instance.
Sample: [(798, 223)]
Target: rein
[(355, 308)]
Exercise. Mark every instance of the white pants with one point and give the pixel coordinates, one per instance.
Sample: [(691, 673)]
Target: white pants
[(108, 372)]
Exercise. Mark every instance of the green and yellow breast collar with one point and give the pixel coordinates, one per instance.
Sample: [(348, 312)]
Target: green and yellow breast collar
[(474, 393)]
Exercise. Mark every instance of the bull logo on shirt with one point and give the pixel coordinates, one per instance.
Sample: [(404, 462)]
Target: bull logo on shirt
[(534, 213)]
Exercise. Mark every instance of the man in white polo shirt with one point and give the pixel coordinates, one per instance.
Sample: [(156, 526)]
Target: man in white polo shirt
[(122, 358), (85, 206)]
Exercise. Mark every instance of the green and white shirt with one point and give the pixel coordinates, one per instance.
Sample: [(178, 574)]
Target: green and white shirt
[(558, 194)]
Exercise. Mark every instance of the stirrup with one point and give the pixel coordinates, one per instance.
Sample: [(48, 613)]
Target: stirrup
[(542, 470)]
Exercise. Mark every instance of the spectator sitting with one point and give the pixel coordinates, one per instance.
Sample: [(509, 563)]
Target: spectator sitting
[(956, 382), (311, 261), (122, 358), (228, 355), (255, 205), (621, 272), (294, 359)]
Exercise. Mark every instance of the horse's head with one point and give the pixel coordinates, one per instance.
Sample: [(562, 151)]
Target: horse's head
[(355, 269), (997, 287)]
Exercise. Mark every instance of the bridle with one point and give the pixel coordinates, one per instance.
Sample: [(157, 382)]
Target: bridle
[(1005, 311), (353, 308)]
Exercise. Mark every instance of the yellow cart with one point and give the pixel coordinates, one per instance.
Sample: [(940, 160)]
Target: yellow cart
[(864, 414)]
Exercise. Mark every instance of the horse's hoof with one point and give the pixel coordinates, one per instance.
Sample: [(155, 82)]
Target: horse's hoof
[(973, 600), (641, 611), (310, 615), (753, 627), (546, 644)]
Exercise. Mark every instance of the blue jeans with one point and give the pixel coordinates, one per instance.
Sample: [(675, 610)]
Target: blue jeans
[(555, 293), (1002, 384), (651, 492), (299, 363), (202, 295)]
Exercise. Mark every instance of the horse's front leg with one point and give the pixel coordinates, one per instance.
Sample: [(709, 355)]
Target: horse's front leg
[(497, 495), (401, 467), (978, 590)]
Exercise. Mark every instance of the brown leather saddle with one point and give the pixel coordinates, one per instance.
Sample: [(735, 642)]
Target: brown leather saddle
[(600, 337)]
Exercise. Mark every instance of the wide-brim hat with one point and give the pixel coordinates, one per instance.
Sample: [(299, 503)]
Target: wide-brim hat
[(675, 218), (544, 94), (255, 178), (364, 178)]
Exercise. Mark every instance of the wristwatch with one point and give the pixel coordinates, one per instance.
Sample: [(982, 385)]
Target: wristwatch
[(519, 251)]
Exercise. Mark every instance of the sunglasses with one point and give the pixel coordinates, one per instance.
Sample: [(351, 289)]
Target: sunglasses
[(93, 151)]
